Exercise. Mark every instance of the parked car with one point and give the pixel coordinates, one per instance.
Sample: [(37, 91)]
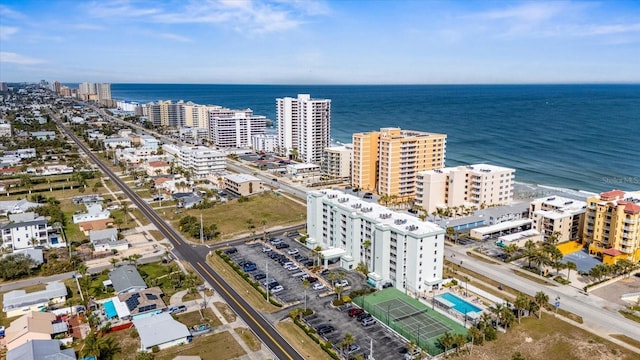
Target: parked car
[(276, 289), (368, 321), (308, 263), (326, 330), (343, 283), (273, 285), (351, 349), (266, 249), (299, 274), (412, 355), (368, 195), (293, 251), (355, 312), (292, 267), (230, 251), (310, 279), (269, 281), (318, 286), (249, 266), (275, 241), (259, 276), (387, 285), (177, 309), (282, 245), (363, 316)]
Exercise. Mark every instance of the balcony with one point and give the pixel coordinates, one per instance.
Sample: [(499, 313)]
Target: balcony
[(630, 221)]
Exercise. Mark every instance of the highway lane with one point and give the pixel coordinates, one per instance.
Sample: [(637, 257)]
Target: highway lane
[(260, 326), (597, 314)]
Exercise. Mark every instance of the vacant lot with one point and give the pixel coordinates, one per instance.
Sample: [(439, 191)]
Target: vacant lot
[(219, 346), (234, 218), (549, 338)]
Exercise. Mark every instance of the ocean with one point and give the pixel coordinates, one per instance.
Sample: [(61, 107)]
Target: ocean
[(580, 137)]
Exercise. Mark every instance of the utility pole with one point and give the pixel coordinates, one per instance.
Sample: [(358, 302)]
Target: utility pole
[(201, 230), (267, 282)]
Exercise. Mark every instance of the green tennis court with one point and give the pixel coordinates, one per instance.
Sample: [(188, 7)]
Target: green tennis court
[(410, 318)]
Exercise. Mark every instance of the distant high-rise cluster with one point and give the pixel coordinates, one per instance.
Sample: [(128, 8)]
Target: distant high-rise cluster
[(304, 127), (94, 91)]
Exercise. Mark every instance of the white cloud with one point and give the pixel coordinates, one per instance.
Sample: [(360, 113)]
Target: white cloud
[(175, 37), (84, 26), (7, 12), (122, 8), (10, 57), (7, 31)]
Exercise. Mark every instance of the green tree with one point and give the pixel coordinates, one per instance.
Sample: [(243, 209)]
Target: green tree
[(570, 265), (530, 251), (517, 356), (510, 249), (367, 246), (446, 340), (541, 299), (521, 304), (143, 355), (347, 341)]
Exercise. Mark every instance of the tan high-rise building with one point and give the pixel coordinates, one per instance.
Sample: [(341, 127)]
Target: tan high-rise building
[(612, 225), (388, 161), (558, 217)]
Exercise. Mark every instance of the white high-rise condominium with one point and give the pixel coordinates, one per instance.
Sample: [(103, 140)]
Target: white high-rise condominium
[(304, 127), (394, 247), (234, 128)]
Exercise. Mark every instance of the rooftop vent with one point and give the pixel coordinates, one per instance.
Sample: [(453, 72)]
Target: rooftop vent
[(332, 196), (551, 198), (385, 216), (367, 209), (343, 200), (400, 221), (356, 206), (568, 203), (412, 227), (485, 170)]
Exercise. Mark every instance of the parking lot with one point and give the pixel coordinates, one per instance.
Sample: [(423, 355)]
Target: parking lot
[(269, 260)]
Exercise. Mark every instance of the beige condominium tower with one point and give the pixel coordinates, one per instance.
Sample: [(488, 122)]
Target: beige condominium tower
[(387, 161)]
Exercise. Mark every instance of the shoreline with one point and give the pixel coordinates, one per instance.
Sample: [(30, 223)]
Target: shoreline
[(527, 191)]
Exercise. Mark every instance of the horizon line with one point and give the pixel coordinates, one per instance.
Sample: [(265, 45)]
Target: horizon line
[(348, 84)]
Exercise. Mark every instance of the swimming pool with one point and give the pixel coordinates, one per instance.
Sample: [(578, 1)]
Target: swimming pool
[(110, 309), (461, 306)]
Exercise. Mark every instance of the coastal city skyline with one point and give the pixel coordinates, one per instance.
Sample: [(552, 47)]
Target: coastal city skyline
[(407, 42)]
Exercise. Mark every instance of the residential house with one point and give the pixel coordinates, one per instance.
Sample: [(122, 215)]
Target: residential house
[(19, 302), (161, 331), (41, 350), (16, 206), (187, 200), (24, 230), (34, 325), (141, 303), (102, 224), (155, 168), (94, 212), (27, 153), (43, 135), (107, 240), (115, 142), (126, 278), (149, 142), (35, 254)]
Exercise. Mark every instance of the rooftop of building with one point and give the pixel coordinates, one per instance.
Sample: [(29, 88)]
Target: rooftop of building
[(158, 163), (630, 200), (126, 277), (41, 349), (378, 213), (474, 168), (240, 178), (159, 329), (20, 298)]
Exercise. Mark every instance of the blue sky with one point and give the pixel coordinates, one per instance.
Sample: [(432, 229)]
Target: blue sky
[(320, 42)]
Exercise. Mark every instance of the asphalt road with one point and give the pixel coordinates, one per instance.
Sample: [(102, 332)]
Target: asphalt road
[(185, 251), (597, 314)]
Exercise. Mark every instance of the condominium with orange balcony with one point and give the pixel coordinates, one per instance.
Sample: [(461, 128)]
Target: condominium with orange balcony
[(611, 226), (387, 161)]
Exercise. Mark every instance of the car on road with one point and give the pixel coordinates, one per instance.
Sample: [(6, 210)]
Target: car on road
[(355, 312), (293, 251), (368, 321), (318, 286), (276, 289)]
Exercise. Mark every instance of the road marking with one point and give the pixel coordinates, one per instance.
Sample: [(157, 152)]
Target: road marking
[(246, 312)]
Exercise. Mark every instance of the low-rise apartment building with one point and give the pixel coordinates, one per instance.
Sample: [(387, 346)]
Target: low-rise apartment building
[(477, 185), (264, 142), (115, 142), (337, 161), (558, 217), (243, 184), (43, 135), (612, 225), (395, 247), (149, 142), (24, 230), (19, 302), (200, 161), (157, 167), (5, 129)]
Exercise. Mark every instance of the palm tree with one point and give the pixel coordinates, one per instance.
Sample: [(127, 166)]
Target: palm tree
[(450, 231), (530, 251), (447, 341), (541, 299), (134, 258), (533, 307), (507, 317), (474, 333), (521, 303), (347, 341), (570, 265), (366, 245), (510, 249), (114, 261), (459, 340)]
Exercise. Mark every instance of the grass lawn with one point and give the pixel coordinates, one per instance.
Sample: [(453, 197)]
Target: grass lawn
[(233, 217), (157, 274), (533, 278), (156, 234), (226, 311), (129, 343), (247, 336), (73, 297), (251, 295), (483, 258), (193, 318), (300, 341), (627, 339), (144, 193), (548, 338), (629, 315), (220, 346), (138, 215)]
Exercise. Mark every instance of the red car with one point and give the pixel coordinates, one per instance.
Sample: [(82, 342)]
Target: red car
[(355, 312)]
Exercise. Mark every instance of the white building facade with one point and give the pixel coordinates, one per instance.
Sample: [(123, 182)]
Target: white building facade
[(235, 128), (395, 247), (24, 231), (264, 142), (304, 127), (558, 216), (472, 185), (201, 161)]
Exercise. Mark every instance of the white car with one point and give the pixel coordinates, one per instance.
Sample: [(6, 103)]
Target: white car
[(318, 286), (292, 267), (266, 249), (293, 251), (343, 283), (277, 289)]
